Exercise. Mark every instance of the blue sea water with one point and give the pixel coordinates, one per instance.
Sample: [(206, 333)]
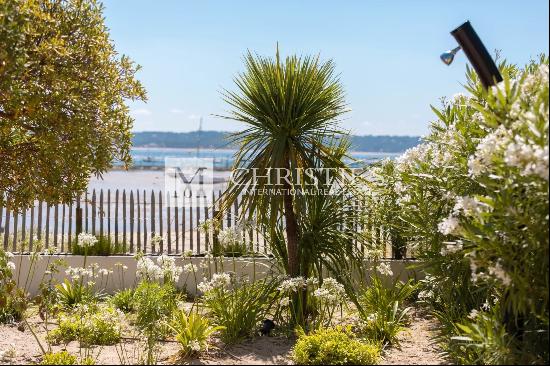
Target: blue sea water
[(144, 157)]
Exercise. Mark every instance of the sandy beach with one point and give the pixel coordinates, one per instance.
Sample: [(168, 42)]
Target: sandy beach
[(142, 180)]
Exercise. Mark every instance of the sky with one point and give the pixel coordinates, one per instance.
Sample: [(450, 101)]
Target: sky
[(386, 52)]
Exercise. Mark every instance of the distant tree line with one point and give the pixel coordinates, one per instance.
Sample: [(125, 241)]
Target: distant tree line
[(217, 140)]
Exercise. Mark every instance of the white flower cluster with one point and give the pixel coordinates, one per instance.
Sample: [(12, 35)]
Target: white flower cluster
[(164, 269), (486, 150), (384, 269), (170, 271), (449, 226), (218, 281), (9, 264), (77, 273), (147, 269), (86, 240), (331, 291), (530, 158), (469, 206), (292, 284), (189, 268), (435, 155), (508, 143), (229, 236)]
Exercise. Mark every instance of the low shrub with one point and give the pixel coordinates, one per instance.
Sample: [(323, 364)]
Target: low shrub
[(192, 332), (64, 358), (123, 300), (154, 304), (90, 325), (334, 346)]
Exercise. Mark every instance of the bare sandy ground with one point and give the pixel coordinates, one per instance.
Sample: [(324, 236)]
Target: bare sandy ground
[(257, 351), (417, 348)]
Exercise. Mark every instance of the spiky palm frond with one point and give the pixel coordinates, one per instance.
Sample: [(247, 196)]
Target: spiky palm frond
[(291, 108)]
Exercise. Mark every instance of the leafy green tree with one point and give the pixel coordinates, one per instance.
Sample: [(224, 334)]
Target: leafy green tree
[(62, 99)]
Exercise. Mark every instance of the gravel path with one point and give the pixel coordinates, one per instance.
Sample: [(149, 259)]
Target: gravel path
[(416, 344)]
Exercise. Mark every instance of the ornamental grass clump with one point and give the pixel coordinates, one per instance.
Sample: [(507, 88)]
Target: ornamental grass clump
[(192, 332), (237, 305)]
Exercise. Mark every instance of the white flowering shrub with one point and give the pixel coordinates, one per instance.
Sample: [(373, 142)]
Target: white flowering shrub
[(472, 201)]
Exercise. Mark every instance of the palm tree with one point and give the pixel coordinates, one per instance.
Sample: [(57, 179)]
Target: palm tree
[(291, 110)]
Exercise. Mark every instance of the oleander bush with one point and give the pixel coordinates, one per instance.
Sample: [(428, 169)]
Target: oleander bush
[(472, 202), (334, 346)]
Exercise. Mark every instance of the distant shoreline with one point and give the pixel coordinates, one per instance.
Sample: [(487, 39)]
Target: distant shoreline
[(217, 140)]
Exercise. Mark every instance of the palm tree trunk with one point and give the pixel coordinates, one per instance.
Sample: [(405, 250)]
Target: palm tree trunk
[(291, 227)]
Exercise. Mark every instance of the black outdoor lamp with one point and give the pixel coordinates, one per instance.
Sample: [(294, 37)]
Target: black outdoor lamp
[(481, 60)]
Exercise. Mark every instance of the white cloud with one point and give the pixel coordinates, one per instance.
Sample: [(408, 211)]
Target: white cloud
[(177, 111), (141, 112), (193, 116)]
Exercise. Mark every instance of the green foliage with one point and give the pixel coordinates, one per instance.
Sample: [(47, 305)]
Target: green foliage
[(239, 309), (123, 300), (154, 304), (62, 99), (13, 301), (59, 358), (334, 346), (382, 308), (90, 325), (104, 246), (192, 332), (64, 358), (72, 293), (472, 200)]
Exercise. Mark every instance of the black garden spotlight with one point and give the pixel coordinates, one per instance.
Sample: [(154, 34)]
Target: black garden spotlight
[(481, 60)]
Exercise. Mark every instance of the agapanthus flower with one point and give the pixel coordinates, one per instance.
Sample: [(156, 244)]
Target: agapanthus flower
[(86, 240)]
